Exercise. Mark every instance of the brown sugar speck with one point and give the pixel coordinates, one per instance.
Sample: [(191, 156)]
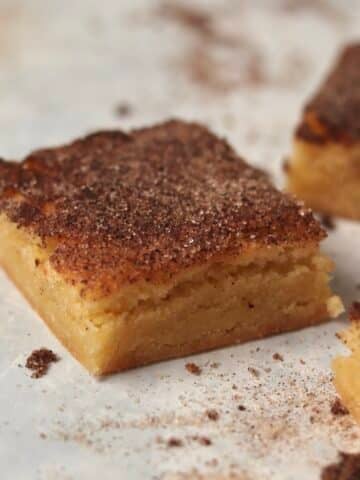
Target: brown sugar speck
[(37, 262), (174, 442), (213, 415), (354, 312), (39, 361), (278, 356), (347, 468), (338, 409), (193, 368)]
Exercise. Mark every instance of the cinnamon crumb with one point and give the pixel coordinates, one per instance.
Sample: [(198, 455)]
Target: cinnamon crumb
[(338, 409), (123, 109), (213, 415), (215, 364), (254, 371), (278, 356), (193, 368), (241, 408), (174, 442), (354, 312), (37, 262), (205, 441), (39, 361)]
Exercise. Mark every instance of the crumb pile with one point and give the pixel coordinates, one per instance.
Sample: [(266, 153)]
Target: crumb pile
[(39, 362)]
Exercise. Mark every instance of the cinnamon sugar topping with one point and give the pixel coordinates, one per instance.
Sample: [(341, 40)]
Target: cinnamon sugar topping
[(333, 114), (120, 207)]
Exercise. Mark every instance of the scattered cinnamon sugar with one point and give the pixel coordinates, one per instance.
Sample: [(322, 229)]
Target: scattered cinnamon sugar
[(354, 312), (39, 362), (37, 262), (213, 414), (241, 408), (338, 409), (174, 442), (328, 222), (193, 368), (278, 356), (202, 62), (347, 468)]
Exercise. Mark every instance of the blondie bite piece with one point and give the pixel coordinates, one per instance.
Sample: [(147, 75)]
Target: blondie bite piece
[(158, 243), (324, 169)]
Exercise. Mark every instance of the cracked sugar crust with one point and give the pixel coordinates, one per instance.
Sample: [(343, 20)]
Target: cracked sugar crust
[(119, 207), (333, 114)]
